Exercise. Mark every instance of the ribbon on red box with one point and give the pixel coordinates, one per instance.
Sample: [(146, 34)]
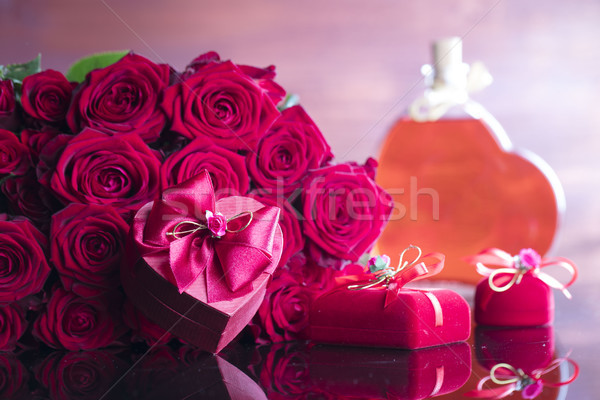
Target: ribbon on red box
[(526, 262), (394, 279), (228, 252), (510, 379)]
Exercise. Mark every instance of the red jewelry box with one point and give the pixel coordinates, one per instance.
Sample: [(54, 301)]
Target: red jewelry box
[(389, 373), (530, 303), (414, 319), (201, 288)]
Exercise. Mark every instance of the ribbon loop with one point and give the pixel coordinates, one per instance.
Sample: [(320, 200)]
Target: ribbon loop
[(526, 262), (226, 254)]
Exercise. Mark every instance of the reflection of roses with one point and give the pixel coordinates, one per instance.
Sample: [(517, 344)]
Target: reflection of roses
[(94, 168), (222, 103), (13, 378), (157, 368), (13, 324), (87, 247), (46, 96), (344, 210), (227, 169), (23, 266), (284, 372), (14, 156), (143, 330), (75, 323), (79, 375), (122, 98), (292, 146)]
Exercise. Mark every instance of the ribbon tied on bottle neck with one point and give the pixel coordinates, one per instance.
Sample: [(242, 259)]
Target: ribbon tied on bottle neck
[(226, 254), (528, 261), (448, 87), (510, 379), (394, 279)]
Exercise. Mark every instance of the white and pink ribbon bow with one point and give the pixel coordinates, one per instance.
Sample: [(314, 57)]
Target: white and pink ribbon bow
[(493, 262)]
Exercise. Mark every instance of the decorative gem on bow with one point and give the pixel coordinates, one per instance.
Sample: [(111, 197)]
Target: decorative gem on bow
[(226, 253), (216, 223), (528, 261), (394, 279), (511, 379)]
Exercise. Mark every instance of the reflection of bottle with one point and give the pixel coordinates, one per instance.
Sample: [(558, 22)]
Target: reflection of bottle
[(457, 185)]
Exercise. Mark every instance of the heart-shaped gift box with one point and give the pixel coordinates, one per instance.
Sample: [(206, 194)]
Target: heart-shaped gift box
[(199, 267)]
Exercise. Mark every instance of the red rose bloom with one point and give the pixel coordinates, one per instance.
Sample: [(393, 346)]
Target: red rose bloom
[(23, 266), (222, 103), (74, 323), (8, 106), (79, 375), (37, 140), (143, 330), (293, 146), (13, 378), (14, 156), (283, 314), (12, 326), (284, 371), (95, 168), (264, 77), (46, 96), (26, 197), (227, 169), (122, 98), (87, 245), (344, 210)]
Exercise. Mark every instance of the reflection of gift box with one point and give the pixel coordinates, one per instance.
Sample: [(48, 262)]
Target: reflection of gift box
[(517, 292), (209, 377), (201, 277), (524, 348), (415, 319), (377, 310), (390, 373)]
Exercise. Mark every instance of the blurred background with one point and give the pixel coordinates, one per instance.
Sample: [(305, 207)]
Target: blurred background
[(355, 65)]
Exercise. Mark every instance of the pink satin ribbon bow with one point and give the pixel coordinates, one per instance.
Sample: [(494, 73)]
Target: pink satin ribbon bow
[(227, 257), (512, 379), (507, 264), (394, 279)]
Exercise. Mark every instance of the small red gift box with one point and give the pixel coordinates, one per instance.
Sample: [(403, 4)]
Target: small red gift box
[(389, 373), (203, 266), (383, 313), (518, 293), (528, 348)]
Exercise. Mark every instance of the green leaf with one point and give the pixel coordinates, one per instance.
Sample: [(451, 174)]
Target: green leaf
[(18, 72), (289, 101), (78, 71)]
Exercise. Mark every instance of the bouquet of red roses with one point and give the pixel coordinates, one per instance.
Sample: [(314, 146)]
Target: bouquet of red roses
[(80, 153)]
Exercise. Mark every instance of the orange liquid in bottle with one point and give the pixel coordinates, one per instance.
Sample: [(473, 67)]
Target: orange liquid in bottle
[(458, 191)]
